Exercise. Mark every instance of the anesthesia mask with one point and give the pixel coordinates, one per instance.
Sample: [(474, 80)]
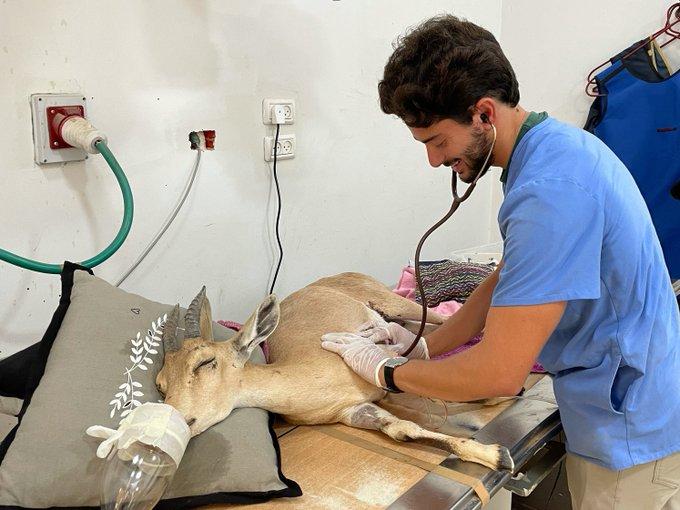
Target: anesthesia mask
[(142, 456)]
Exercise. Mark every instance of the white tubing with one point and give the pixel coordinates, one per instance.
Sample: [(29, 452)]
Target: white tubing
[(168, 221), (80, 133)]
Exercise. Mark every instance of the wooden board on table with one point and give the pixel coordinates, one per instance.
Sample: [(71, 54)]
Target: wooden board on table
[(334, 473)]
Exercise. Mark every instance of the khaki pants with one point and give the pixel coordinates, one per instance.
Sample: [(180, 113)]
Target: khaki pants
[(651, 486)]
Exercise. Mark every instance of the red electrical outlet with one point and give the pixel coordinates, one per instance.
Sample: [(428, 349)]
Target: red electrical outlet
[(203, 140), (56, 115), (209, 139)]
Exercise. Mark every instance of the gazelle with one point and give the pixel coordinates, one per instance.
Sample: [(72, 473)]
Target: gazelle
[(205, 380)]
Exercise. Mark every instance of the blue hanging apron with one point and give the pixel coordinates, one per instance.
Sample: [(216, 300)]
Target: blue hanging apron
[(638, 117)]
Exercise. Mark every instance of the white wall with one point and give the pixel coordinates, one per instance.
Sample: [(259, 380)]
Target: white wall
[(553, 45), (357, 197)]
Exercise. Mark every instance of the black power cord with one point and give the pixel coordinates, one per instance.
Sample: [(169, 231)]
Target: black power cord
[(278, 212), (552, 492)]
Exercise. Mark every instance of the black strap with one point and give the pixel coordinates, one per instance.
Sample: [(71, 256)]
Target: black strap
[(14, 372), (389, 379)]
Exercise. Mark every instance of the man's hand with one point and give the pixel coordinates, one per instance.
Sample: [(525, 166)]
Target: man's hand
[(392, 333), (360, 354)]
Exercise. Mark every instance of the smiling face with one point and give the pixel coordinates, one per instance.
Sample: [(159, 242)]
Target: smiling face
[(462, 147)]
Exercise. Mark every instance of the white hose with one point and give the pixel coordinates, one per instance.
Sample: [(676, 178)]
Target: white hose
[(78, 132), (168, 221)]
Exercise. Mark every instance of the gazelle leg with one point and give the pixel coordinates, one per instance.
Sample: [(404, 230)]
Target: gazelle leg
[(395, 308), (370, 416)]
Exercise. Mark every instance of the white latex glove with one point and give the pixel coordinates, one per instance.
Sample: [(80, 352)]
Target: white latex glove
[(393, 334), (110, 437), (344, 338), (158, 425), (360, 354)]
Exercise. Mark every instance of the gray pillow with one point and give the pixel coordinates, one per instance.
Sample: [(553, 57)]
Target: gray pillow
[(101, 361), (7, 423), (10, 405)]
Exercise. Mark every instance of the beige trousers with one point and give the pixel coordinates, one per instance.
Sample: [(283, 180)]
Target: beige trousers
[(651, 486)]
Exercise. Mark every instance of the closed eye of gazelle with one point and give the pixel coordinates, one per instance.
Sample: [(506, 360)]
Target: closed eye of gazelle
[(204, 363)]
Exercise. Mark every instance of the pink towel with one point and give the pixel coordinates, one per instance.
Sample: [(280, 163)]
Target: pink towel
[(231, 325), (407, 288)]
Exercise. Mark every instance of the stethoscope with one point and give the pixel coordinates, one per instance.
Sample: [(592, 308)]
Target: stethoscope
[(457, 200)]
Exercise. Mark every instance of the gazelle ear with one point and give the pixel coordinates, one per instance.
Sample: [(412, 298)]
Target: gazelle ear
[(205, 321), (259, 326)]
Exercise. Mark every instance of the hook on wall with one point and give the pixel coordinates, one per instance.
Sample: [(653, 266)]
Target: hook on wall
[(673, 11)]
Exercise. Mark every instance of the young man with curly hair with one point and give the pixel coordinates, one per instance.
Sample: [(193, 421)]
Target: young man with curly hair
[(583, 286)]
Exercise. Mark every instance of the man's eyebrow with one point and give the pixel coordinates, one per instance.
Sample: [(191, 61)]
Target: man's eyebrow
[(427, 140)]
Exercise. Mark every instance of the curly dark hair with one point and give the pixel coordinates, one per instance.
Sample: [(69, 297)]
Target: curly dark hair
[(441, 68)]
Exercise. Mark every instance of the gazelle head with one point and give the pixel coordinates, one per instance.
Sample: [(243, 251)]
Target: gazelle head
[(201, 378)]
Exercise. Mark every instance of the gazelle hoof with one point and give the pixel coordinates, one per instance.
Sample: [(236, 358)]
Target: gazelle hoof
[(505, 461)]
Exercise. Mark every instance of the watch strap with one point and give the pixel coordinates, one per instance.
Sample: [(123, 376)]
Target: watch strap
[(389, 375)]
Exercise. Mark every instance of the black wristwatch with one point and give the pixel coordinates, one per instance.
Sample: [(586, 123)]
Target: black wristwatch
[(388, 372)]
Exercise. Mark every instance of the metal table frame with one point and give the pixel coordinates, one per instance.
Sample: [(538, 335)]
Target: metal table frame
[(524, 428)]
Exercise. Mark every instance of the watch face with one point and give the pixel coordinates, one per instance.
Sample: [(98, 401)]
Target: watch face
[(395, 362)]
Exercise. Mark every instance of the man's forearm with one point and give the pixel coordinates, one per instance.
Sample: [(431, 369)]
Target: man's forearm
[(466, 322), (460, 378), (496, 367)]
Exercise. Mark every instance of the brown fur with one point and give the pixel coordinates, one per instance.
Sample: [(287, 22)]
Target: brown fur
[(303, 382)]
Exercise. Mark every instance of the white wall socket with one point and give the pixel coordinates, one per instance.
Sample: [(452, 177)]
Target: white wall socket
[(43, 152), (285, 149), (268, 108)]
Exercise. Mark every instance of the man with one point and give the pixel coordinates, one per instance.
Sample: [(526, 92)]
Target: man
[(583, 286)]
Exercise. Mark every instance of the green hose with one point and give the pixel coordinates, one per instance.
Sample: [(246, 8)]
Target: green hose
[(42, 267)]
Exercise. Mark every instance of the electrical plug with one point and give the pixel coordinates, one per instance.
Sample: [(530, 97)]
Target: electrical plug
[(278, 114)]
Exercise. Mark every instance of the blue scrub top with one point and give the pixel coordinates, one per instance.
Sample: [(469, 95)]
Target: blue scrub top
[(575, 228)]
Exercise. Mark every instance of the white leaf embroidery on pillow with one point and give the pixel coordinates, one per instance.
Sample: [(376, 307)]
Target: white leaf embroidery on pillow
[(142, 350)]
